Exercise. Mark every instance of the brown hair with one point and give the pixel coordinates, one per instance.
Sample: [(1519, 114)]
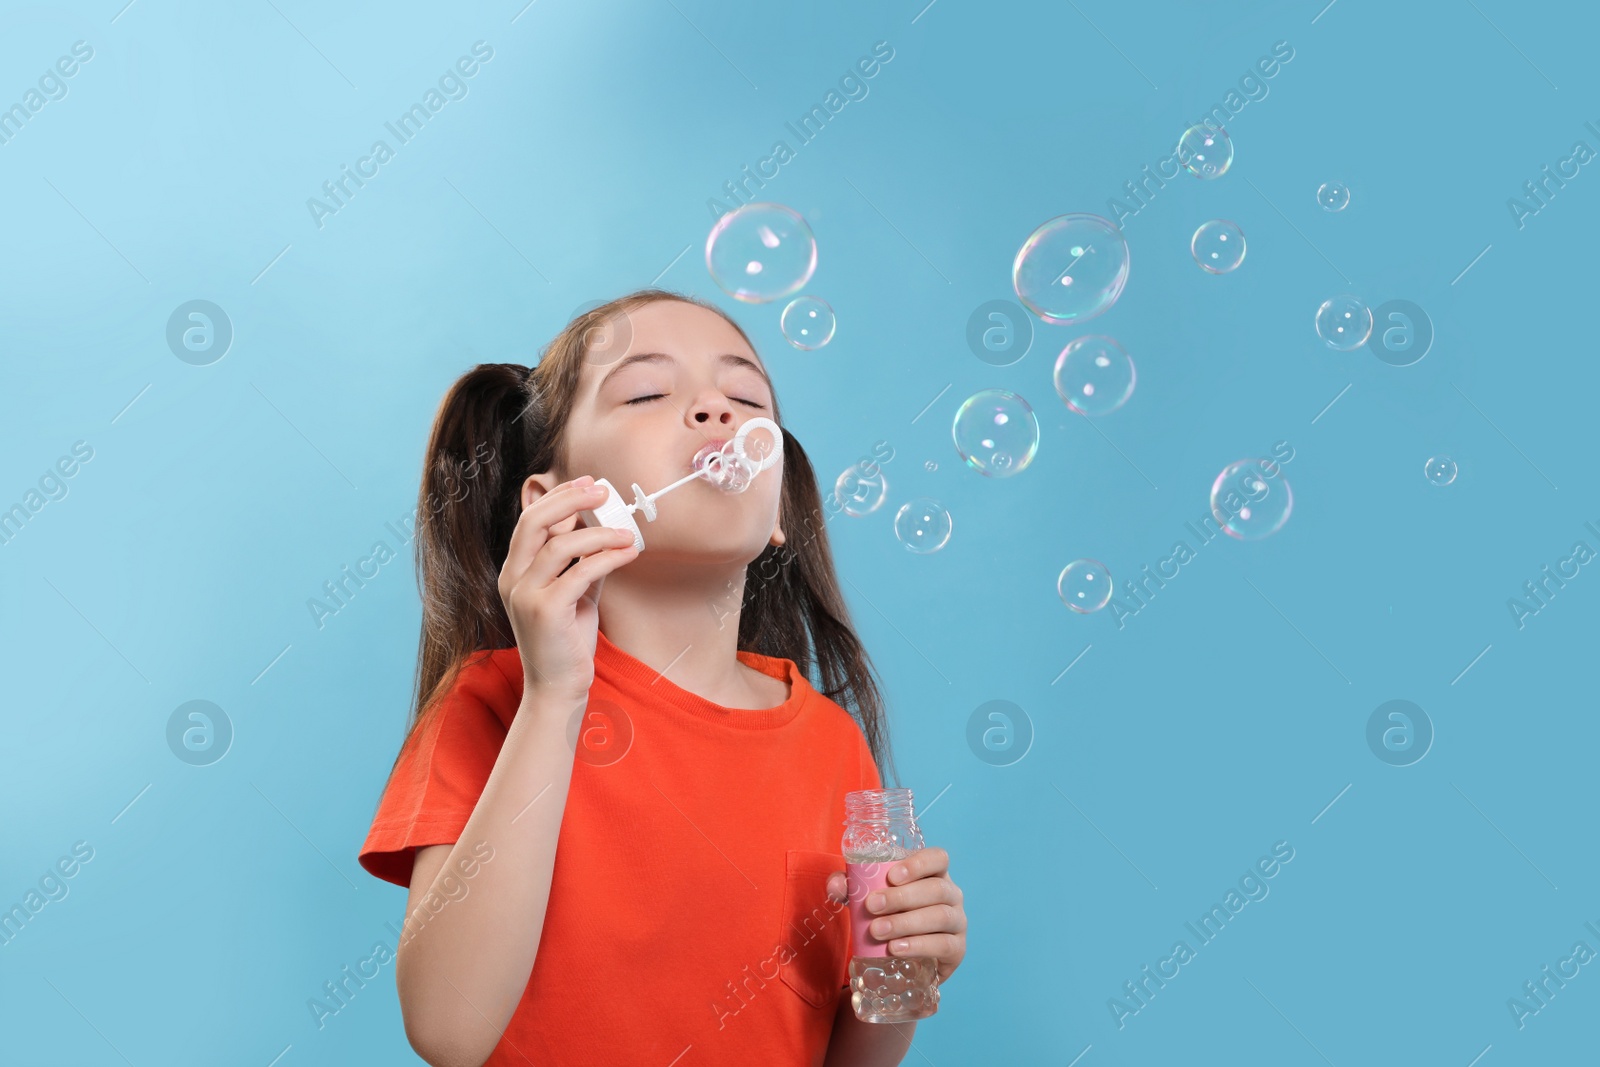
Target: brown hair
[(792, 605)]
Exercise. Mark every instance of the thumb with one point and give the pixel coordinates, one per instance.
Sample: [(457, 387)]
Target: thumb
[(592, 594), (838, 886)]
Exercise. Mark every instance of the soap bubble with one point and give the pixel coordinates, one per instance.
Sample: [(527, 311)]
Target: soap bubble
[(1094, 375), (996, 432), (930, 465), (861, 489), (761, 252), (1218, 246), (807, 322), (1251, 499), (1071, 269), (1207, 151), (922, 525), (727, 470), (731, 475), (1333, 196), (755, 447), (1440, 470), (1344, 323), (1084, 586)]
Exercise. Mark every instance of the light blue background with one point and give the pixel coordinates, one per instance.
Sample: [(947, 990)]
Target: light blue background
[(1219, 720)]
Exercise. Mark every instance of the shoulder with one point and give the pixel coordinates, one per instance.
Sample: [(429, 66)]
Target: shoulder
[(493, 676), (479, 699), (847, 737), (837, 720)]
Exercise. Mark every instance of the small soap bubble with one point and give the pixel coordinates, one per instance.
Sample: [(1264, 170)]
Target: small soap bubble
[(761, 252), (1071, 269), (731, 473), (1218, 246), (1251, 499), (922, 525), (1206, 151), (1084, 586), (1333, 196), (861, 489), (807, 322), (1344, 323), (726, 469), (1094, 375), (996, 432), (1440, 470), (930, 465)]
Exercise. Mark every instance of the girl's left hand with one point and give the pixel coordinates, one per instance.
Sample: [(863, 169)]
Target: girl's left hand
[(920, 910)]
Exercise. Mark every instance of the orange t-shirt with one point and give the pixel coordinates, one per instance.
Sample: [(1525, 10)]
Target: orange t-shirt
[(688, 922)]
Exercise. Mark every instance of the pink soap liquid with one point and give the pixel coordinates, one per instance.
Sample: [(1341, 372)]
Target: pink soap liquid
[(884, 988)]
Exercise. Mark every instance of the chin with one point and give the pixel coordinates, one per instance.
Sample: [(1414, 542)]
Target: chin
[(713, 551)]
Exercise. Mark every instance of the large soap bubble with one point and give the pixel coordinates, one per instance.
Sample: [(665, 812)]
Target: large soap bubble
[(922, 525), (1333, 196), (807, 322), (1071, 269), (1344, 322), (1251, 499), (1084, 585), (996, 432), (761, 252), (1094, 375), (1218, 246), (1206, 151)]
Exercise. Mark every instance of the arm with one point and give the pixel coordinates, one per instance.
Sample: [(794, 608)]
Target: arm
[(858, 1044), (461, 971)]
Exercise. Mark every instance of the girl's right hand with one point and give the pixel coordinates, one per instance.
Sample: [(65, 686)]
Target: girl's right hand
[(554, 607)]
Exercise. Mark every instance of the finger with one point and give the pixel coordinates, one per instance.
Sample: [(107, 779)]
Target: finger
[(919, 894), (575, 582), (940, 918), (939, 946), (920, 864), (559, 552), (533, 526)]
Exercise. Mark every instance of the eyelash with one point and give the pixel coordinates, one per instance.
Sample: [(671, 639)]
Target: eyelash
[(658, 396)]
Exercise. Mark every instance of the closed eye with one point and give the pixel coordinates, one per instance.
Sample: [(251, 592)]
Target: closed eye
[(658, 396)]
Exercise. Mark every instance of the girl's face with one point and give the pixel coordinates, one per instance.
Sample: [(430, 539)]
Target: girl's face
[(687, 382)]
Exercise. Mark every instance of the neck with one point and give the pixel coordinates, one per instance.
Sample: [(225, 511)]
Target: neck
[(683, 622)]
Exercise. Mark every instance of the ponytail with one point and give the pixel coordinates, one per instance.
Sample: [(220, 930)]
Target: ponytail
[(476, 461)]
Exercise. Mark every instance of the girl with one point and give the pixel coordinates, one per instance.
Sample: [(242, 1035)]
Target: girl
[(595, 796)]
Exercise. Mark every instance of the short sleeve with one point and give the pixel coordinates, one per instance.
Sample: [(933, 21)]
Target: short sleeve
[(441, 772)]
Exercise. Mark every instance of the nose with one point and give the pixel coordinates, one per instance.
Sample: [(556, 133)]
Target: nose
[(714, 417)]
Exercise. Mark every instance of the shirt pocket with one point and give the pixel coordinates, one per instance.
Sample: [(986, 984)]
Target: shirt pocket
[(815, 930)]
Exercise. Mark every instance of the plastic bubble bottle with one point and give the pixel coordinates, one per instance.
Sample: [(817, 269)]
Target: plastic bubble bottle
[(880, 828)]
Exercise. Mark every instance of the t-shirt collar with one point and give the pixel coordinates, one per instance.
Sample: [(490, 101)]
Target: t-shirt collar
[(638, 681)]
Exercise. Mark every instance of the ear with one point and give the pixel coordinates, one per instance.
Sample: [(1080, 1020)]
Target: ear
[(777, 537), (535, 486)]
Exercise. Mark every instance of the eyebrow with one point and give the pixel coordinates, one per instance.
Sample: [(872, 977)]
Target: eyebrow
[(728, 359)]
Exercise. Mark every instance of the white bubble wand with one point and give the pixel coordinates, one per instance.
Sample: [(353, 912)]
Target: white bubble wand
[(731, 469)]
